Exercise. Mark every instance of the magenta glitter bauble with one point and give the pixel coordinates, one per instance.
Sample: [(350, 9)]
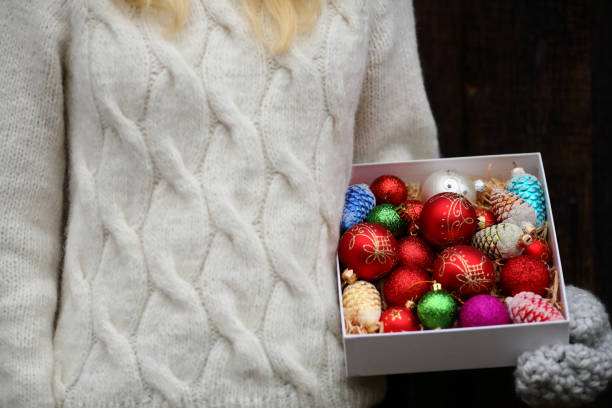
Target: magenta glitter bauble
[(483, 310)]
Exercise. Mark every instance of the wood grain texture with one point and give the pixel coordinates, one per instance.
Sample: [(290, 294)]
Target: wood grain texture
[(524, 76)]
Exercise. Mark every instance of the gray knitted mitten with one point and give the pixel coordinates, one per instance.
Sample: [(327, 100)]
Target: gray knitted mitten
[(573, 374)]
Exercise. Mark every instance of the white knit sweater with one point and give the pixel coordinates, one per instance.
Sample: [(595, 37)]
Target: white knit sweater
[(204, 185)]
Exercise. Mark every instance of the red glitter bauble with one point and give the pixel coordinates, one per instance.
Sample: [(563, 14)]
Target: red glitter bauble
[(540, 249), (399, 319), (415, 251), (464, 270), (410, 211), (484, 218), (389, 189), (369, 249), (406, 283), (447, 219), (524, 273)]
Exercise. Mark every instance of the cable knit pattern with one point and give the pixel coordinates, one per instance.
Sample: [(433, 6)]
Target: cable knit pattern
[(205, 185), (573, 374)]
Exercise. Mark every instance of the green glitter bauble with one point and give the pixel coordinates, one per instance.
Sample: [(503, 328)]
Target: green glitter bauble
[(437, 310), (385, 215)]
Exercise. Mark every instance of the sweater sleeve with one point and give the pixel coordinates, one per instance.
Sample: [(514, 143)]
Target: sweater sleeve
[(394, 121), (32, 165)]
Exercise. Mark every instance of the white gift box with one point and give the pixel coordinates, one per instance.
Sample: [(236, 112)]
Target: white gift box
[(453, 348)]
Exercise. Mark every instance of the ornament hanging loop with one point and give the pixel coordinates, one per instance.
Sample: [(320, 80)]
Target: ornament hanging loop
[(525, 240), (517, 170), (529, 229)]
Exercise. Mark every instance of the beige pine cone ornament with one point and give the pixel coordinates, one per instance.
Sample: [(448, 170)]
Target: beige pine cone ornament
[(362, 307), (505, 240), (509, 207)]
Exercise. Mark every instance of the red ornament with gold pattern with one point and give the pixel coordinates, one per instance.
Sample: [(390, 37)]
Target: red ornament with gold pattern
[(369, 249), (447, 219), (410, 211), (464, 270), (399, 319), (389, 189), (485, 218), (540, 249)]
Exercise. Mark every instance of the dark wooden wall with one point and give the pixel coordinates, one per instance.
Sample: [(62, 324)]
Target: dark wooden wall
[(524, 76)]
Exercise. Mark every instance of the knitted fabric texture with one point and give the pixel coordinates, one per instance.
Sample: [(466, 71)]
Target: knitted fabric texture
[(573, 374), (202, 181)]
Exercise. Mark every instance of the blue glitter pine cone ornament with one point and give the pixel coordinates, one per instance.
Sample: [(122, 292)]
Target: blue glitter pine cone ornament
[(358, 202), (529, 188)]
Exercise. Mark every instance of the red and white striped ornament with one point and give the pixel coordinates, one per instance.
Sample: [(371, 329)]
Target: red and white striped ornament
[(527, 307)]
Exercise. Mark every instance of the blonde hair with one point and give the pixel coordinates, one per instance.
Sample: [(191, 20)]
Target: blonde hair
[(287, 17)]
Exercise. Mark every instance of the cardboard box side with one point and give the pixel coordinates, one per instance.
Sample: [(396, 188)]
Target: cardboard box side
[(452, 349), (341, 312), (554, 245)]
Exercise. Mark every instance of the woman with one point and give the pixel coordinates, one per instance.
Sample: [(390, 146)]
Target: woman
[(205, 171)]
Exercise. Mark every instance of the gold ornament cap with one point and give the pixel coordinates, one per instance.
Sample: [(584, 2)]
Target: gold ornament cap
[(517, 170), (349, 276)]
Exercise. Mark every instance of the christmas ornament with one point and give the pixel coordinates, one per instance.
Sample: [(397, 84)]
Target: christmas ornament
[(369, 249), (464, 270), (406, 283), (524, 273), (358, 202), (504, 241), (389, 189), (437, 309), (362, 305), (385, 215), (410, 211), (527, 307), (540, 249), (529, 188), (485, 218), (399, 319), (508, 207), (415, 251), (447, 219), (450, 181), (483, 310)]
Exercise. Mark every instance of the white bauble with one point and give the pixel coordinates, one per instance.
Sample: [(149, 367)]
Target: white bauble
[(443, 181)]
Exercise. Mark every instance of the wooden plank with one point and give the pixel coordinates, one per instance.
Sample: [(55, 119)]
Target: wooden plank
[(439, 31), (523, 76), (601, 152)]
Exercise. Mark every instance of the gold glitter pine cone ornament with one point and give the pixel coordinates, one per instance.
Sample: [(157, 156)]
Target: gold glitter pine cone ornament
[(362, 305), (505, 240)]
